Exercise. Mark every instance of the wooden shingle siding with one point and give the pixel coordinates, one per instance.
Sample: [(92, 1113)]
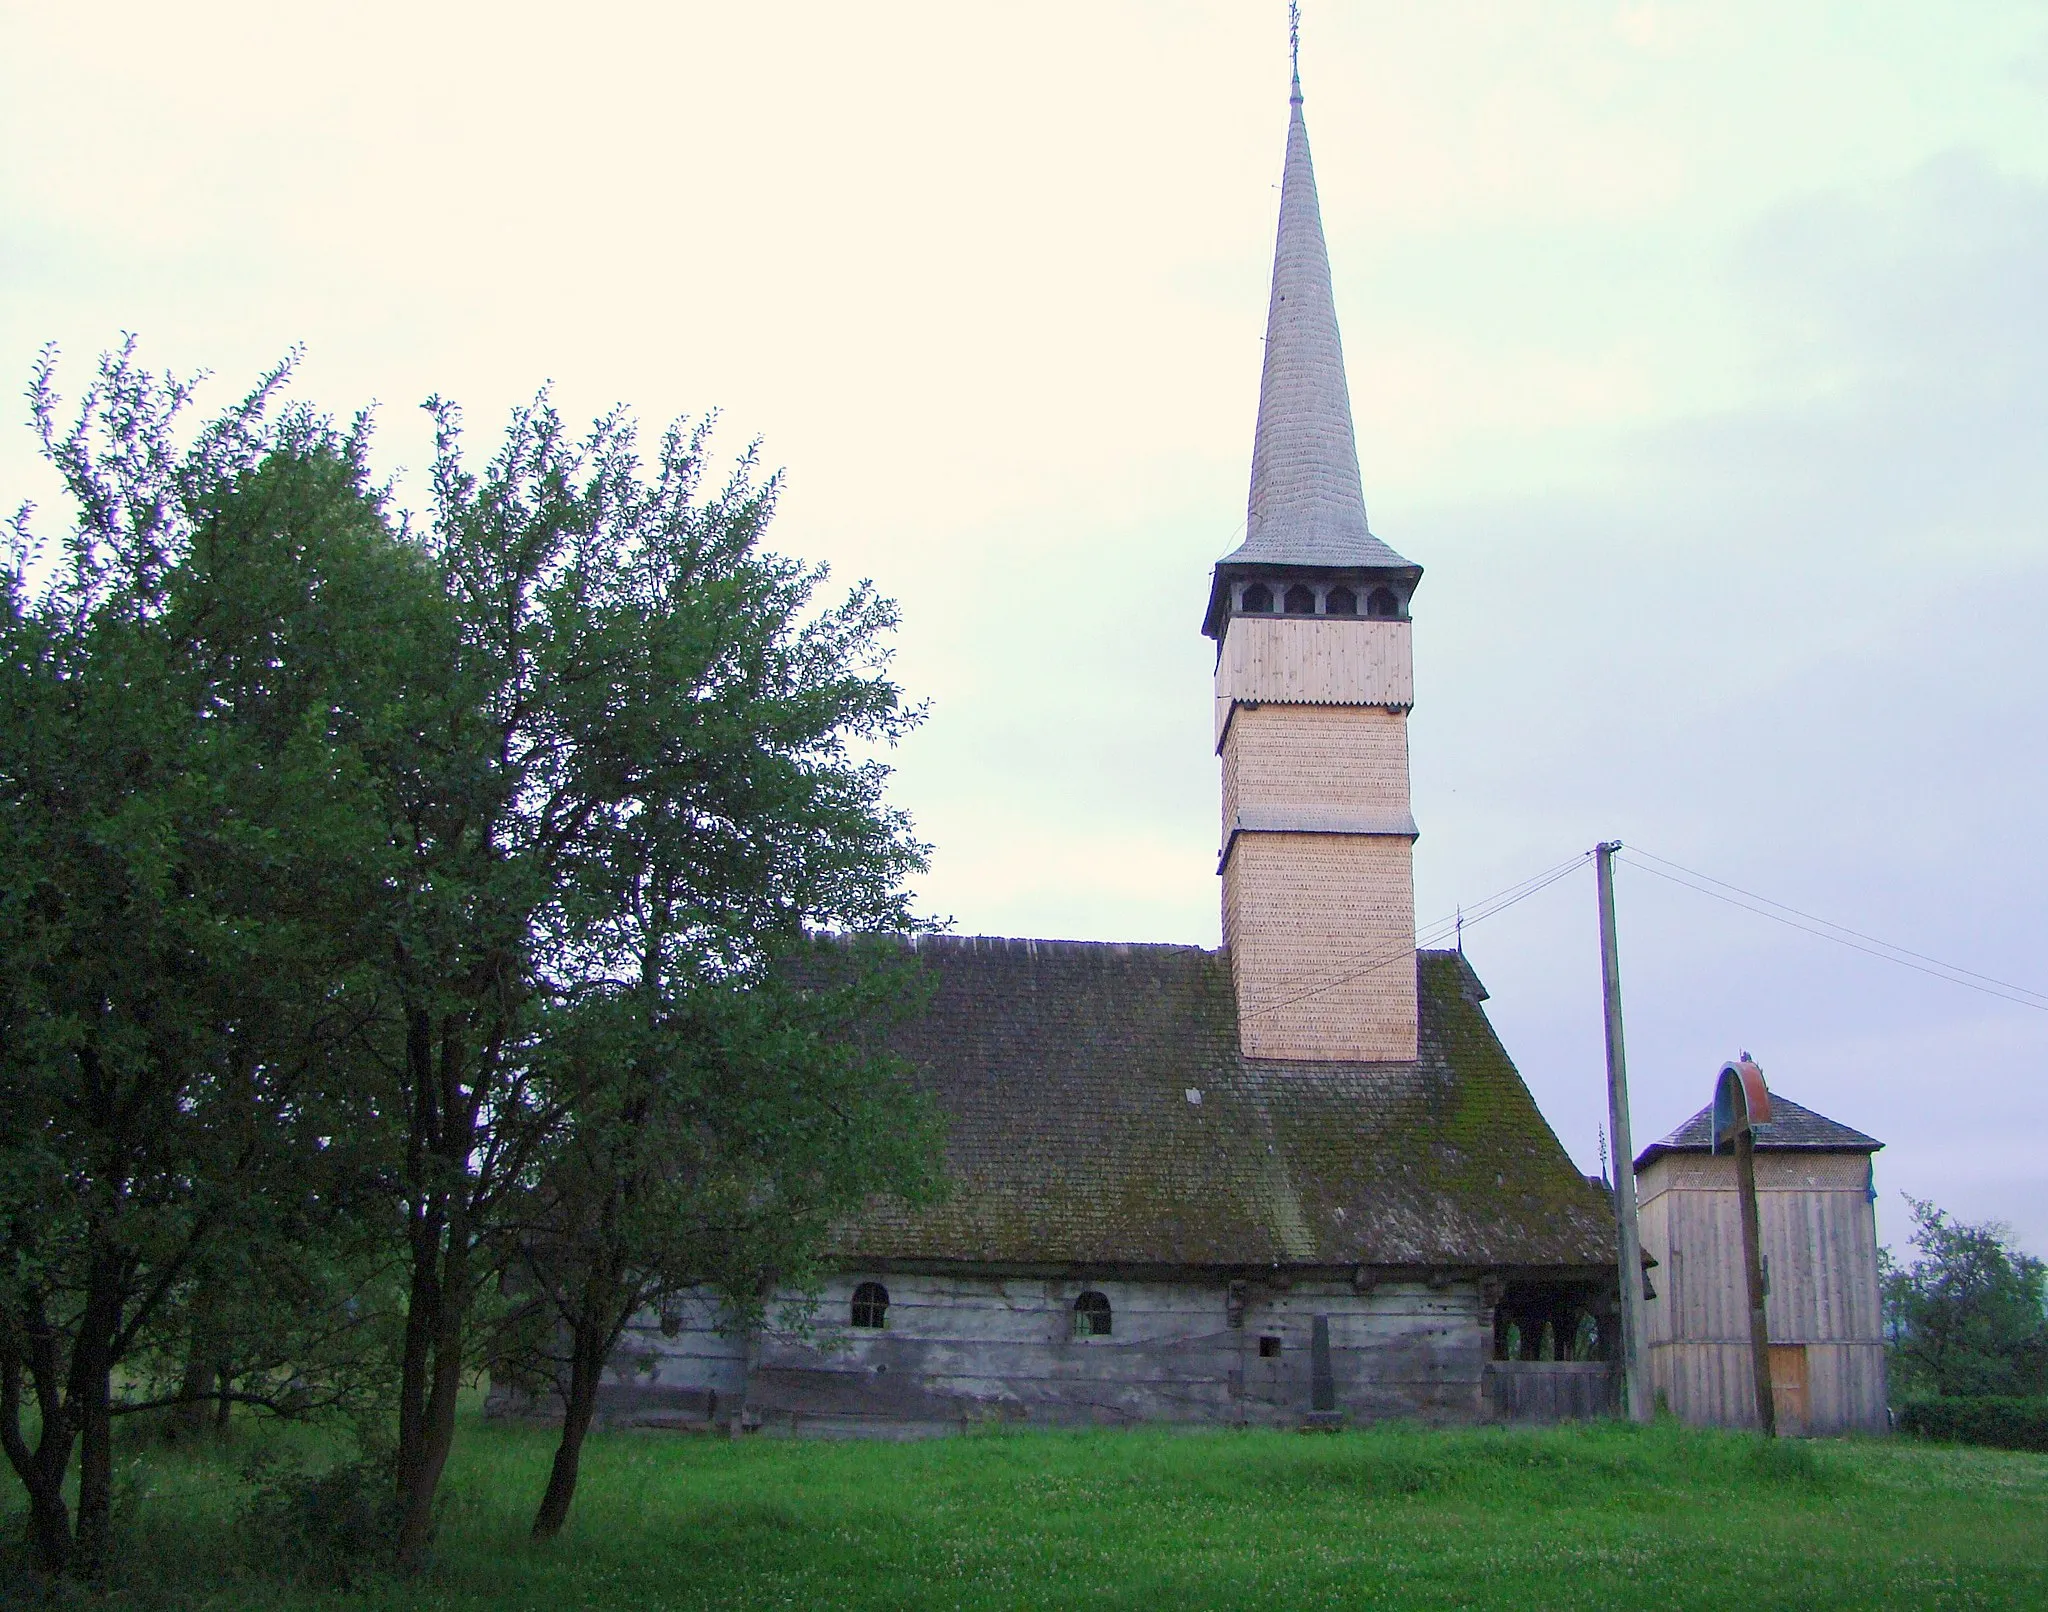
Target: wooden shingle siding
[(1342, 760), (1321, 929)]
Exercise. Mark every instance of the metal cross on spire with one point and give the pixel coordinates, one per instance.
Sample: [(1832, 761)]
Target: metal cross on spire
[(1294, 40)]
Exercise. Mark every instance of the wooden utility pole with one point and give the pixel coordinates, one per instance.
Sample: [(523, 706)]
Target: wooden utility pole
[(1629, 1245)]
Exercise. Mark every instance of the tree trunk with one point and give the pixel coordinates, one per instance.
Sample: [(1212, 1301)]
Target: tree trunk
[(590, 1347), (434, 1426), (89, 1398), (42, 1469), (95, 1479), (188, 1417), (422, 1319)]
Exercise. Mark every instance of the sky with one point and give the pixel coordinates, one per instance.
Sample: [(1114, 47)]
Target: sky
[(1698, 351)]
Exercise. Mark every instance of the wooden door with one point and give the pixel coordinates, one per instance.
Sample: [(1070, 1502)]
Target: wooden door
[(1788, 1387)]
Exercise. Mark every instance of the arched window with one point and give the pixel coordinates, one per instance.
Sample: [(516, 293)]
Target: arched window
[(1091, 1316), (1258, 599), (1301, 601), (1340, 602), (870, 1305), (1382, 603)]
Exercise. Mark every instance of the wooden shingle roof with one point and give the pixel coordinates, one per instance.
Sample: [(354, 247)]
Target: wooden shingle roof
[(1791, 1127), (1099, 1113)]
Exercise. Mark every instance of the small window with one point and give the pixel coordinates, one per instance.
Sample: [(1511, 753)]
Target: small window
[(1301, 601), (870, 1305), (1340, 602), (1258, 599), (1091, 1316), (1269, 1347), (1383, 603)]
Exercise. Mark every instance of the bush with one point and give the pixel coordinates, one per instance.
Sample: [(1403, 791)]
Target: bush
[(2001, 1423), (330, 1527)]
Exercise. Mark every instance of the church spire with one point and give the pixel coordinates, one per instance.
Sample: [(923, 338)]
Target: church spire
[(1307, 506), (1314, 679)]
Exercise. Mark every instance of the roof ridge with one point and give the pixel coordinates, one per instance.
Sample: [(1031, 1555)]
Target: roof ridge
[(921, 940)]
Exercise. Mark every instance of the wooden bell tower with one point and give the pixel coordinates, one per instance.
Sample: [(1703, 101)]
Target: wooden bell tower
[(1314, 680)]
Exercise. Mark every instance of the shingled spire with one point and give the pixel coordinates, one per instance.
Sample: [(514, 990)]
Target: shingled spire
[(1307, 505)]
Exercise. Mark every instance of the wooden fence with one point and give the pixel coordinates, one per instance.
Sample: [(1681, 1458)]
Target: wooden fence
[(1550, 1391)]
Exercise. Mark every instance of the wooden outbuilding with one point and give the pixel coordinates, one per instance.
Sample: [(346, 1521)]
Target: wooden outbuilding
[(1817, 1211)]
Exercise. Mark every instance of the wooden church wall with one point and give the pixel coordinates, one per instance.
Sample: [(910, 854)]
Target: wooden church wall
[(971, 1350)]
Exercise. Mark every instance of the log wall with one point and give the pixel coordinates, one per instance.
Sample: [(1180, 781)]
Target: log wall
[(961, 1351)]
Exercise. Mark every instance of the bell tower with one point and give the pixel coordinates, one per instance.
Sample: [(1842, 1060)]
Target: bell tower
[(1314, 680)]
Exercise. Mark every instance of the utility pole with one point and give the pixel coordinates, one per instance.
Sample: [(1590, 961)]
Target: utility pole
[(1634, 1353)]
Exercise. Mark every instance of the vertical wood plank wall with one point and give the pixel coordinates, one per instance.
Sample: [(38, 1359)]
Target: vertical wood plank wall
[(1315, 660), (1819, 1234)]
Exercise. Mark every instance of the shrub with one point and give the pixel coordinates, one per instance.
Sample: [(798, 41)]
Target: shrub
[(330, 1527), (2002, 1423)]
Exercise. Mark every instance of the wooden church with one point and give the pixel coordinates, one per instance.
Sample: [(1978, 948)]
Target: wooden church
[(1293, 1179)]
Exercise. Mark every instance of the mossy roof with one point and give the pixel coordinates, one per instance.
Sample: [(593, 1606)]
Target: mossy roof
[(1099, 1113)]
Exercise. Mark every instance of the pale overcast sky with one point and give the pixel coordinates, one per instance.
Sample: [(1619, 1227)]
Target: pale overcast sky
[(1698, 353)]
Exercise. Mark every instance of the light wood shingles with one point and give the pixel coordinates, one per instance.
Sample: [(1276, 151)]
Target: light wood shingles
[(1282, 761), (1318, 882), (1321, 934)]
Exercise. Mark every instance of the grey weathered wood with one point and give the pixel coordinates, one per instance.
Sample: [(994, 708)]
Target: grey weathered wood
[(1550, 1391), (1818, 1229), (962, 1350), (1629, 1257)]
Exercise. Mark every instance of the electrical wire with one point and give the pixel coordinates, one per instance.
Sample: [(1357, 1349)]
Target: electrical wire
[(1827, 929), (1441, 929)]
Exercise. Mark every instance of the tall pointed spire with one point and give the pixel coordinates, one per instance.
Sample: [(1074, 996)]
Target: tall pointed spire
[(1307, 506)]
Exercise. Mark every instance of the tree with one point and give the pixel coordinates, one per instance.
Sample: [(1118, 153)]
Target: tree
[(1970, 1315), (717, 1130), (187, 686), (643, 773)]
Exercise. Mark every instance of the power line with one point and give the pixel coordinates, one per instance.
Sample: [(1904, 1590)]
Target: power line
[(1841, 934), (1499, 902), (1907, 951)]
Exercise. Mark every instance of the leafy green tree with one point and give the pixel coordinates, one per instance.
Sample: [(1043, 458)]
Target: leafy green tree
[(652, 766), (716, 1131), (1970, 1315), (188, 682)]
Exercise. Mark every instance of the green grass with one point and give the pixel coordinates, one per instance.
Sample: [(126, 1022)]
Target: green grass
[(1606, 1517)]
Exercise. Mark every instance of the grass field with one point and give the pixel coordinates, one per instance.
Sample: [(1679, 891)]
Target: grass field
[(1606, 1517)]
